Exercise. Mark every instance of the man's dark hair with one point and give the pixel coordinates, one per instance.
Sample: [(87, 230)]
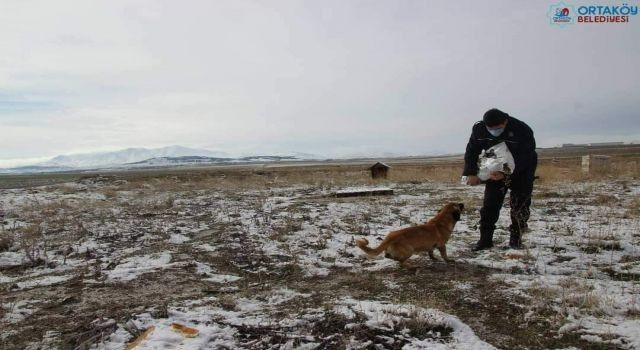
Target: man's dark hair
[(494, 117)]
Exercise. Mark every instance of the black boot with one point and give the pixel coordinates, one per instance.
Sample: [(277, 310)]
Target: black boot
[(485, 242), (515, 240), (482, 246)]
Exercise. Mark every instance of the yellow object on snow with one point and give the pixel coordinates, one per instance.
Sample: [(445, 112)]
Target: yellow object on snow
[(184, 330)]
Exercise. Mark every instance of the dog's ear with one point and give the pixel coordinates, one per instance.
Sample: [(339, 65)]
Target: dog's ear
[(456, 215), (461, 206)]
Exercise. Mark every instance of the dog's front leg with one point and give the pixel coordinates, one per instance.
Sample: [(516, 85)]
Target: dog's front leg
[(433, 257), (443, 253)]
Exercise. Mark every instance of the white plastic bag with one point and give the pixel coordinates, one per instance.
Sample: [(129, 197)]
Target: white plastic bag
[(496, 158)]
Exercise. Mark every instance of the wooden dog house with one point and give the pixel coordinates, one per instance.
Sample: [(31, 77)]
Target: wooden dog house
[(379, 170)]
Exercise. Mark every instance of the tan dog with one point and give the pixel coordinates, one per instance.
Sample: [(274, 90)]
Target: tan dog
[(400, 245)]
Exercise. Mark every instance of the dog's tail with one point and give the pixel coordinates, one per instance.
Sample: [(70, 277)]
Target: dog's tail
[(364, 245)]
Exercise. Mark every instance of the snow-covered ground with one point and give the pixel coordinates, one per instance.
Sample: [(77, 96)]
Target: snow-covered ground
[(94, 264)]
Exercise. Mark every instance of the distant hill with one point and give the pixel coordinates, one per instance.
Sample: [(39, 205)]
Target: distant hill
[(34, 169), (196, 160), (143, 157), (129, 155)]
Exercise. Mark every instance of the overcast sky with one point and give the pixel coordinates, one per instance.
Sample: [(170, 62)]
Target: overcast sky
[(324, 77)]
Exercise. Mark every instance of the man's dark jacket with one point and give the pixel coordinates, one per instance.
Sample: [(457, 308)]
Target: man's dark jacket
[(519, 139)]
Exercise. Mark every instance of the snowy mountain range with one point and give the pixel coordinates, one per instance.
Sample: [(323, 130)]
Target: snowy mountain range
[(144, 157), (129, 155), (166, 157)]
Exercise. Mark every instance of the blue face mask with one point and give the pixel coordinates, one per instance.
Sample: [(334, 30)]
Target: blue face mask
[(495, 132)]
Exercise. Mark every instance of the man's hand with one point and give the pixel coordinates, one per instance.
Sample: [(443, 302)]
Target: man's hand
[(473, 180), (496, 176)]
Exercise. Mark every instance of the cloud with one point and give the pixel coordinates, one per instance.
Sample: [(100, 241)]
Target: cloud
[(326, 78)]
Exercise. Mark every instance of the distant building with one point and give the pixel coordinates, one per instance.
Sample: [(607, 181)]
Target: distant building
[(606, 144), (379, 170), (568, 145)]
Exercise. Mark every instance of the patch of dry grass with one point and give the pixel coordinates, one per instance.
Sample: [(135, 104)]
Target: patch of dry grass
[(570, 170), (632, 209), (6, 241), (575, 293)]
